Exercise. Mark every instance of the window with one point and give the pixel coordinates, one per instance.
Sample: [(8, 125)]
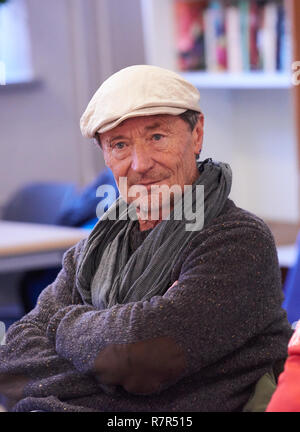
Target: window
[(15, 53)]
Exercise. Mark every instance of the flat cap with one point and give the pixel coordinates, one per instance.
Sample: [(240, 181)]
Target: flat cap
[(138, 90)]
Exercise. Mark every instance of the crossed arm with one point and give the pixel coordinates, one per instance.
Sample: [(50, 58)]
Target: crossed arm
[(37, 357), (144, 347)]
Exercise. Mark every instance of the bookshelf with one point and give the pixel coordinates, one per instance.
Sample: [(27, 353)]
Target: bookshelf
[(162, 48), (245, 80), (251, 120)]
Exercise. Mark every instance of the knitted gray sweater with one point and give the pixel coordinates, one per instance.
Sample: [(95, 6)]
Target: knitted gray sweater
[(201, 346)]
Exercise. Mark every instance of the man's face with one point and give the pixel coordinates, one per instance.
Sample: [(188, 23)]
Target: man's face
[(153, 150)]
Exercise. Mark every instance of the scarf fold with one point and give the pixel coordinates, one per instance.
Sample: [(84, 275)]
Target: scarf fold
[(108, 275)]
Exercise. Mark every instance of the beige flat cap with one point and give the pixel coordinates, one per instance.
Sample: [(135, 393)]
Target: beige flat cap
[(138, 90)]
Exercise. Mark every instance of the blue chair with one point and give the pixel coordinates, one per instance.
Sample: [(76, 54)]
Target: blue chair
[(39, 202), (55, 204)]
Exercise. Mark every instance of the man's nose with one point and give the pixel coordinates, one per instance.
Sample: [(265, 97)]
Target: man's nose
[(141, 159)]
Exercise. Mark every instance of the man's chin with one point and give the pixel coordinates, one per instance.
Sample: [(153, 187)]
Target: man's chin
[(150, 211), (153, 205)]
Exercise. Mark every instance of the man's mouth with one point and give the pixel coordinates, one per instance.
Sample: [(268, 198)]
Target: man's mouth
[(149, 183)]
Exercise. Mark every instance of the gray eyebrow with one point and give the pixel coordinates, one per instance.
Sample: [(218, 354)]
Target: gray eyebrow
[(147, 128), (118, 137)]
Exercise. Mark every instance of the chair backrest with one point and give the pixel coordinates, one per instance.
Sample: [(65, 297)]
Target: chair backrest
[(39, 202)]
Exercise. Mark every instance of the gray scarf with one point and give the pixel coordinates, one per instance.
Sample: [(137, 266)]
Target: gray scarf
[(107, 274)]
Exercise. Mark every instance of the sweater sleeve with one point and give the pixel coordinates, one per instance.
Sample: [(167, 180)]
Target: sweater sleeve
[(226, 282), (29, 364)]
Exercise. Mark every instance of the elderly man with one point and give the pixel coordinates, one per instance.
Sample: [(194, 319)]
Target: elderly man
[(154, 313)]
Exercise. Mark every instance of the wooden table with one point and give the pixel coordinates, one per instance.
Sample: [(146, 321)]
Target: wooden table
[(28, 246), (25, 246)]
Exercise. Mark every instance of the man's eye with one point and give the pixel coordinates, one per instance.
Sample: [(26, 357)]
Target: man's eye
[(119, 145), (157, 137)]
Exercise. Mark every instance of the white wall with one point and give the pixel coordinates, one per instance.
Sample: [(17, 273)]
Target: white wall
[(253, 130), (126, 33)]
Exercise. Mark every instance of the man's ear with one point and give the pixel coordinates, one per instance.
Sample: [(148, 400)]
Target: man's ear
[(198, 134), (105, 152), (99, 143), (98, 140)]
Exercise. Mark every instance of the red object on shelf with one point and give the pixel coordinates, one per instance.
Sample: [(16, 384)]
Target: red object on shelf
[(190, 34)]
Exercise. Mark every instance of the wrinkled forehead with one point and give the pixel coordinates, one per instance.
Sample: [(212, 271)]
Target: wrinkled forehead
[(146, 124)]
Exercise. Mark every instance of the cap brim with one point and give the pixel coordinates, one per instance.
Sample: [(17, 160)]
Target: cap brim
[(138, 113)]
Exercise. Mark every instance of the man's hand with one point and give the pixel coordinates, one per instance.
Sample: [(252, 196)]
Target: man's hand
[(142, 367)]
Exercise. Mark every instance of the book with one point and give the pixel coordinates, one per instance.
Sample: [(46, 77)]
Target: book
[(244, 29), (219, 26), (280, 38), (254, 22), (210, 40), (215, 36), (269, 38), (284, 41), (233, 38), (189, 25)]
